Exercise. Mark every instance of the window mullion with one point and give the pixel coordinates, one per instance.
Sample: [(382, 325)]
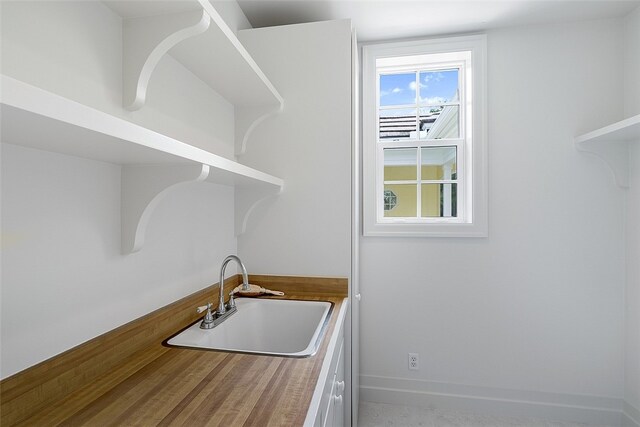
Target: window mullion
[(419, 151), (401, 144), (380, 183), (418, 184), (397, 107), (400, 182), (437, 181), (442, 104), (417, 100)]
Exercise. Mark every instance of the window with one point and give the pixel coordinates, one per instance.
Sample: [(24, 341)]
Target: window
[(424, 149)]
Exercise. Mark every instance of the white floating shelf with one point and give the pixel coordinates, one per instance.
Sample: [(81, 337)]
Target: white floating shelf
[(36, 118), (219, 59), (611, 144), (39, 119), (626, 130), (203, 43)]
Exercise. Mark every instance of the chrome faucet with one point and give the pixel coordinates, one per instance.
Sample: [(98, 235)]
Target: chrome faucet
[(211, 320), (245, 282)]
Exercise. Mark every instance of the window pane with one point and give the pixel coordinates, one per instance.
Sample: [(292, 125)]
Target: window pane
[(403, 197), (400, 164), (397, 89), (439, 122), (439, 200), (439, 87), (438, 163), (397, 125)]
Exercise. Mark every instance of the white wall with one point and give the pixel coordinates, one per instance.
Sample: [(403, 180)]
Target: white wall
[(307, 229), (632, 63), (632, 309), (62, 268), (534, 311)]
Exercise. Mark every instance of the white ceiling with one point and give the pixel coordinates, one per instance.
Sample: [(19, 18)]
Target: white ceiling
[(394, 19), (141, 8)]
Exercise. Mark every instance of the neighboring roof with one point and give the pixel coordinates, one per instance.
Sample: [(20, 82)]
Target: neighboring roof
[(437, 124)]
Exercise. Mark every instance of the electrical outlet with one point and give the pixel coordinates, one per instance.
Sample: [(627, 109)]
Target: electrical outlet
[(414, 362)]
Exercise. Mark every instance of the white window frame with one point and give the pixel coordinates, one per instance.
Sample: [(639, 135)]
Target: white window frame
[(472, 219)]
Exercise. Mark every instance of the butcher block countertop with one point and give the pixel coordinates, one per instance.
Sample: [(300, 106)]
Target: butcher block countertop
[(127, 377)]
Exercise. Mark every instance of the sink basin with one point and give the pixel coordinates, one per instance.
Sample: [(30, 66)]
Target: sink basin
[(265, 326)]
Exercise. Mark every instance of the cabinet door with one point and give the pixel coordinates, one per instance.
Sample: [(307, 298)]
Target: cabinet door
[(338, 394), (335, 408), (318, 421), (331, 407)]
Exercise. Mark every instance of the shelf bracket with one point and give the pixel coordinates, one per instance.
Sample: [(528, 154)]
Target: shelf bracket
[(142, 189), (246, 202), (146, 41), (247, 119), (614, 155)]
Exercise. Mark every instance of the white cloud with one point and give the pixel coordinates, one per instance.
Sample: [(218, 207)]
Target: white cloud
[(433, 100), (413, 86), (435, 77), (389, 92)]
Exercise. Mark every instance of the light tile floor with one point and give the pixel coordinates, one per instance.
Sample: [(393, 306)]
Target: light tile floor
[(382, 414)]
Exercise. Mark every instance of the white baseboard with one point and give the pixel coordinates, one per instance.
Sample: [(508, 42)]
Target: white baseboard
[(630, 415), (595, 410)]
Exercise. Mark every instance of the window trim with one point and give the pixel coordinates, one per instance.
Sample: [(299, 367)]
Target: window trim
[(475, 193)]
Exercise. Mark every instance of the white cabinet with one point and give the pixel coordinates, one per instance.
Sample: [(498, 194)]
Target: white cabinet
[(331, 413), (327, 407), (334, 413), (339, 400)]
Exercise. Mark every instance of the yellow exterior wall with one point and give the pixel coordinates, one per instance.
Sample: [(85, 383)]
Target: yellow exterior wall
[(431, 192), (406, 193), (400, 173)]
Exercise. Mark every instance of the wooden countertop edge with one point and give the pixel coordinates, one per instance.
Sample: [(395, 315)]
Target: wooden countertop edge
[(36, 390)]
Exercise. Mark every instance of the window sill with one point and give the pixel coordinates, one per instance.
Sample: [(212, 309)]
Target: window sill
[(425, 230)]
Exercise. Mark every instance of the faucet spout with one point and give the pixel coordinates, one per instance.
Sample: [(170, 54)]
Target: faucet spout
[(245, 280)]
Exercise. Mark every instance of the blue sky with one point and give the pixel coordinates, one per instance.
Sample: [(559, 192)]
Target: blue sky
[(435, 87)]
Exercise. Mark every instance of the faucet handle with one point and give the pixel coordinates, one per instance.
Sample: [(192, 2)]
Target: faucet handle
[(203, 308), (208, 319), (232, 303)]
